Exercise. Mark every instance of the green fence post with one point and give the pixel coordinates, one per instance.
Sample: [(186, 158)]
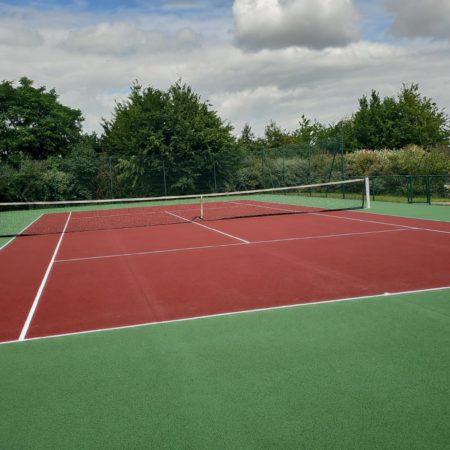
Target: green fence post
[(309, 163), (110, 178), (428, 188), (215, 175), (409, 188), (164, 177)]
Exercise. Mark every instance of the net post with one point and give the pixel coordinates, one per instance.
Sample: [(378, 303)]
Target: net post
[(367, 189), (201, 207)]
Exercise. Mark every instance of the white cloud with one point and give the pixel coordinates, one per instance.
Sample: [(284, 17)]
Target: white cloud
[(124, 39), (14, 34), (420, 18), (273, 24), (282, 85), (91, 61)]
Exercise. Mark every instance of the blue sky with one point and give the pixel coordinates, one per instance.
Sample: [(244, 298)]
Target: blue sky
[(107, 6), (254, 60), (375, 18)]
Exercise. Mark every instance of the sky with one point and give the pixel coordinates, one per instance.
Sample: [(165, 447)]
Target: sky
[(254, 61)]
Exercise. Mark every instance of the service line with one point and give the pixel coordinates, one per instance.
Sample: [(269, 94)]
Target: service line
[(234, 244)]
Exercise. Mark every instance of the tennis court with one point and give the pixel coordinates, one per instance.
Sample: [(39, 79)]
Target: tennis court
[(255, 320), (79, 271)]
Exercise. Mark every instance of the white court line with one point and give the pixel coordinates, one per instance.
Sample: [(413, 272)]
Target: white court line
[(209, 228), (232, 313), (404, 217), (324, 236), (382, 223), (41, 287), (150, 252), (18, 234), (203, 247), (350, 218)]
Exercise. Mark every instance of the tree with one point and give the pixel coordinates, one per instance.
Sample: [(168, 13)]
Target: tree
[(170, 137), (275, 136), (84, 165), (247, 140), (309, 132), (34, 123), (394, 122)]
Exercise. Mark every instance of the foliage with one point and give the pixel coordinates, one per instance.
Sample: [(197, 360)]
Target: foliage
[(266, 169), (285, 166), (275, 136), (172, 134), (87, 169), (396, 122), (410, 160), (247, 141), (81, 174), (366, 162), (32, 180), (160, 142), (309, 132), (34, 123)]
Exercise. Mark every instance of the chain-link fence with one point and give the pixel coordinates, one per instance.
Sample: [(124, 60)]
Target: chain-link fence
[(89, 175), (411, 188)]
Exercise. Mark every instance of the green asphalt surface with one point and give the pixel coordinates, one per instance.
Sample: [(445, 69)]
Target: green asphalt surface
[(359, 374)]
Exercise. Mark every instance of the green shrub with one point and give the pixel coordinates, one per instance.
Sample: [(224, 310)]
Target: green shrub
[(410, 160)]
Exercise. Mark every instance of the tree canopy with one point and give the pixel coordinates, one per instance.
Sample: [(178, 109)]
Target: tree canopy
[(409, 118), (171, 142), (171, 133), (394, 122), (34, 123)]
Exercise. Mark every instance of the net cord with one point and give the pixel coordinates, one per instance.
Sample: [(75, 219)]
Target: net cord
[(287, 188), (180, 197)]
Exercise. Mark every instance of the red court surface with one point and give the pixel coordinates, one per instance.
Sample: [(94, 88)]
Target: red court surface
[(81, 281)]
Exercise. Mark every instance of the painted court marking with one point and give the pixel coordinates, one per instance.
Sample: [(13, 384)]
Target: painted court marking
[(21, 231), (351, 218), (241, 241), (43, 283), (383, 223), (231, 313), (209, 228), (204, 247)]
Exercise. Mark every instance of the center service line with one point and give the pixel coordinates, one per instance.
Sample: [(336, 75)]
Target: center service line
[(209, 228)]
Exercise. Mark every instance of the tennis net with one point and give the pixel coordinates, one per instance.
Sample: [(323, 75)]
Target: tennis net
[(35, 218)]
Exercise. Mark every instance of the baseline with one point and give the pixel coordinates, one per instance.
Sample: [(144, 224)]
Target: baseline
[(227, 314)]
